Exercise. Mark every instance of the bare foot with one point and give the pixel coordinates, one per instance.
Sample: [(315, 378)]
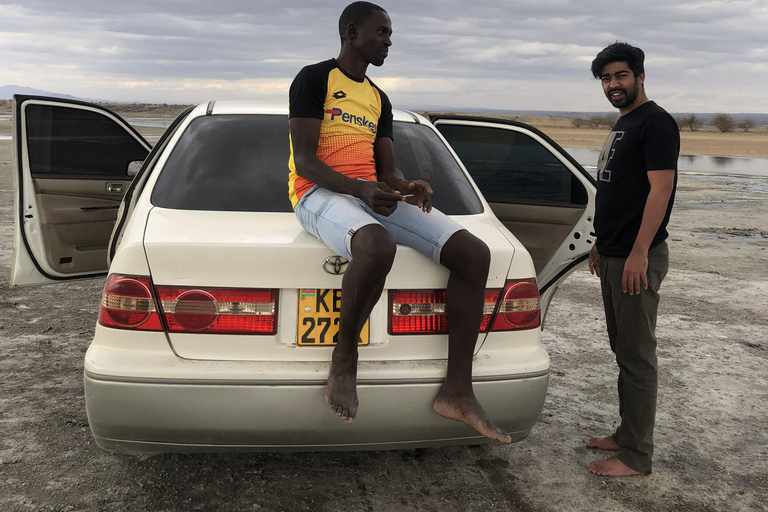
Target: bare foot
[(603, 443), (341, 390), (468, 410), (611, 467)]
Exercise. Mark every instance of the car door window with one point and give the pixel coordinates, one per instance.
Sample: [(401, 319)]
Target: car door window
[(66, 142), (512, 167)]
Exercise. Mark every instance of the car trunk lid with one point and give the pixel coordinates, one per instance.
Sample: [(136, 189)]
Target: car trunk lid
[(202, 250)]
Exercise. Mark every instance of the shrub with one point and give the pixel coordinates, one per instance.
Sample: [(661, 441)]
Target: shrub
[(578, 122), (610, 120), (691, 121), (607, 120), (747, 124), (724, 123)]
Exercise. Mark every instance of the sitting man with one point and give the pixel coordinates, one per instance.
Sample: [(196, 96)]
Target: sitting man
[(346, 190)]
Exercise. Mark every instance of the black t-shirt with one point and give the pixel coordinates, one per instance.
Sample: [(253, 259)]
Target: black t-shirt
[(646, 139)]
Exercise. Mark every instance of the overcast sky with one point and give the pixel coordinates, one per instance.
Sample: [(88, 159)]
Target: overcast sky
[(701, 56)]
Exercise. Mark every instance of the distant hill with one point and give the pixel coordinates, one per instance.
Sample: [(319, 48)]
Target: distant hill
[(7, 92), (122, 107)]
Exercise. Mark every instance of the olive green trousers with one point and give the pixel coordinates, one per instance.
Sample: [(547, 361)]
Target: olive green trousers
[(631, 322)]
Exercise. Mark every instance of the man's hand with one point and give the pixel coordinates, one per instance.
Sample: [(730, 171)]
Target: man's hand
[(635, 269), (594, 261), (420, 193), (379, 196)]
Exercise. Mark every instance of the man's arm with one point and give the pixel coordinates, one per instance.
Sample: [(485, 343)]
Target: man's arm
[(305, 135), (386, 172), (635, 268)]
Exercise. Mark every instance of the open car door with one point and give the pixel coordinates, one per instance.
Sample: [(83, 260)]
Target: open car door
[(72, 163), (535, 188)]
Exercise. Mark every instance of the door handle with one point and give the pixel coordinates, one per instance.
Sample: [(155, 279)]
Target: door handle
[(115, 187)]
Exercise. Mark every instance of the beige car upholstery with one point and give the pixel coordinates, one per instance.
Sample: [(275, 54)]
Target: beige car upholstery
[(76, 219), (541, 229)]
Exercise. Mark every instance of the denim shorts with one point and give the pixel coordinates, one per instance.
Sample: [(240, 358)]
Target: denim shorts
[(334, 218)]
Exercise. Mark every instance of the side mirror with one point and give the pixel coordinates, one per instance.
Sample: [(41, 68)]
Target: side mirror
[(134, 166)]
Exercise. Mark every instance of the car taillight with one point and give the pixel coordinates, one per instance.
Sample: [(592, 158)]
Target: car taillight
[(219, 310), (519, 306), (128, 303), (423, 311)]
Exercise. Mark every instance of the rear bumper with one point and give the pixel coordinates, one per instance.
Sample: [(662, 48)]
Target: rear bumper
[(141, 397), (131, 416)]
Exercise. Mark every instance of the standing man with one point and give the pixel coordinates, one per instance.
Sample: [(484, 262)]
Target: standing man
[(346, 191), (636, 181)]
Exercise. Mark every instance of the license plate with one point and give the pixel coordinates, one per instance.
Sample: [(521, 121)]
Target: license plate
[(319, 313)]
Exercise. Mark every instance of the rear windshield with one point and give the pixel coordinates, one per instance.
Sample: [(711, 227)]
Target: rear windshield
[(240, 163)]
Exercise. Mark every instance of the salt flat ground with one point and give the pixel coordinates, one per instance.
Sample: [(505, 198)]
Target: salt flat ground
[(711, 435)]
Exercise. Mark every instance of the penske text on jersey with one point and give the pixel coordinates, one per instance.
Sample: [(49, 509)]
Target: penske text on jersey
[(350, 118)]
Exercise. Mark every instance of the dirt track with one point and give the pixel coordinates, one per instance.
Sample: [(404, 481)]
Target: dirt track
[(712, 445)]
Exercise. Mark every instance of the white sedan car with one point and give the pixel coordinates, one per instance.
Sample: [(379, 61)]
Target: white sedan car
[(219, 312)]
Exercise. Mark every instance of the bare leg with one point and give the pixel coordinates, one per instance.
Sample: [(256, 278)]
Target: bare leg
[(373, 251), (603, 443), (468, 259)]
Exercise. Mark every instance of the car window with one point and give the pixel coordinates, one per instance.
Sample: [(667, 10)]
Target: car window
[(72, 142), (228, 163), (421, 155), (512, 167), (240, 163)]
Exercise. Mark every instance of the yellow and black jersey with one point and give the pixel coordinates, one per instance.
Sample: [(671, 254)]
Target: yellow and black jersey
[(354, 114)]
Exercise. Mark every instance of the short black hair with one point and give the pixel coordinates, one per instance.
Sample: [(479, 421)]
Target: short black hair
[(356, 13), (619, 52)]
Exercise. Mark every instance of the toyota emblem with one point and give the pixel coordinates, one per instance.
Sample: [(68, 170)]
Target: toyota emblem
[(335, 265)]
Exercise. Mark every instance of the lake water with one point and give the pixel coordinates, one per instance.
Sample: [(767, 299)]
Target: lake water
[(687, 164), (150, 122)]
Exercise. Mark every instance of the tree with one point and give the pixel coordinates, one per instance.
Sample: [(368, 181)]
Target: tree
[(724, 123), (610, 120), (578, 122), (747, 124), (606, 120), (692, 122)]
